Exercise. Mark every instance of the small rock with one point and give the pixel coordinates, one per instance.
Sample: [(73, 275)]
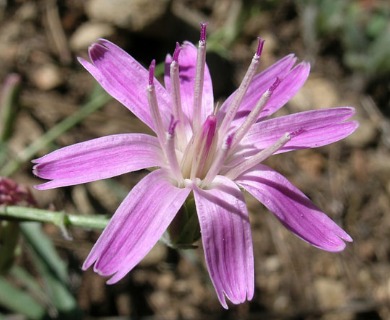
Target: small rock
[(272, 264), (81, 200), (123, 305), (165, 281), (312, 163), (330, 293), (365, 134), (88, 33), (134, 15), (157, 254), (317, 93), (28, 11), (47, 77), (105, 193)]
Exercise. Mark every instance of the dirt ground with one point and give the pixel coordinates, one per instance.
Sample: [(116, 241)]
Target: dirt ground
[(349, 180)]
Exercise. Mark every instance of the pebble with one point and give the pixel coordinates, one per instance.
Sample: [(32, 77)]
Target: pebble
[(47, 77), (88, 33), (157, 254), (133, 15), (331, 293), (364, 135), (317, 93)]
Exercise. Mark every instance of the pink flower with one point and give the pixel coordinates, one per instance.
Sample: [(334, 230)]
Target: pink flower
[(201, 154)]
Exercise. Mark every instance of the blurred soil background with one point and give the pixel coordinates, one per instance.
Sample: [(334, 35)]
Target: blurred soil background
[(348, 46)]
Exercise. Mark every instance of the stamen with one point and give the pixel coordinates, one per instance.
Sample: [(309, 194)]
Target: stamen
[(175, 85), (199, 78), (176, 52), (254, 114), (203, 144), (260, 46), (203, 27), (152, 68), (153, 105), (218, 161), (186, 160), (172, 126), (171, 152), (261, 156), (274, 85), (241, 91)]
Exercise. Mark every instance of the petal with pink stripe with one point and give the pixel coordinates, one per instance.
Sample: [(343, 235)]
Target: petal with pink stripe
[(293, 209), (136, 226), (227, 240), (97, 159)]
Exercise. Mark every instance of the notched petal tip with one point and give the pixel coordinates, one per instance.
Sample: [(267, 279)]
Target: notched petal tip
[(337, 245), (347, 238), (333, 240), (223, 303), (87, 264), (304, 69), (289, 56), (113, 280), (330, 240), (354, 126), (97, 51), (40, 187), (36, 161), (35, 170), (346, 111), (187, 43), (104, 42), (37, 173), (349, 108), (82, 61), (235, 300)]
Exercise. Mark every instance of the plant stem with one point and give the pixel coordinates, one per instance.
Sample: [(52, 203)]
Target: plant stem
[(60, 219), (9, 105)]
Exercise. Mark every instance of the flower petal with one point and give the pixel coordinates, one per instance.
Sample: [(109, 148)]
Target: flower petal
[(293, 208), (125, 80), (136, 226), (260, 83), (314, 129), (287, 88), (227, 240), (187, 71), (97, 159)]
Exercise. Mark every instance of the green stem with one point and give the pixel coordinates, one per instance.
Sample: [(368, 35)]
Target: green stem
[(9, 106), (60, 219), (94, 104)]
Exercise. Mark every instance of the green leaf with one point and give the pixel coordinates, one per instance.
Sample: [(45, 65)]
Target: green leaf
[(27, 281), (18, 301), (9, 236), (43, 247), (52, 269)]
